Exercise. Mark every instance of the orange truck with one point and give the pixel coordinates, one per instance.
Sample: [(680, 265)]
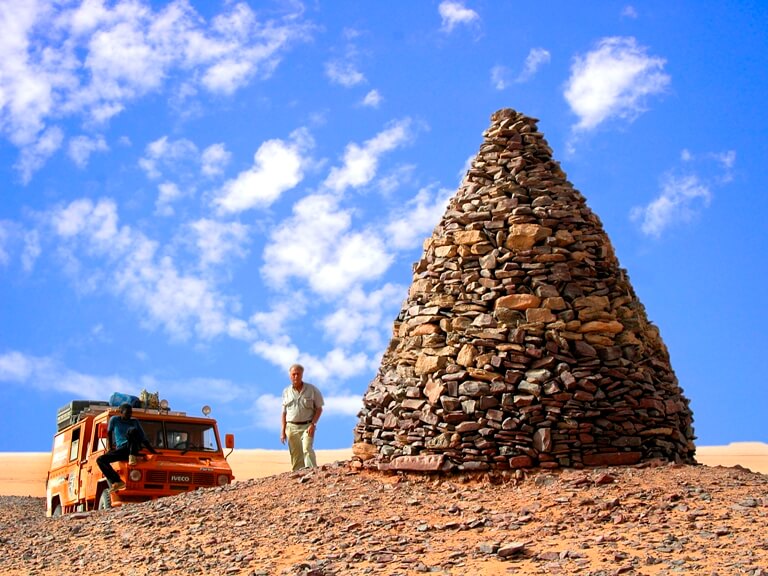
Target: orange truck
[(189, 456)]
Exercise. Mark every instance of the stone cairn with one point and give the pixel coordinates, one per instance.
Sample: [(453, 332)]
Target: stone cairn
[(522, 342)]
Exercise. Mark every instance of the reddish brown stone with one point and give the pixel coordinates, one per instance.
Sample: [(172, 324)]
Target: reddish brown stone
[(612, 458), (520, 462)]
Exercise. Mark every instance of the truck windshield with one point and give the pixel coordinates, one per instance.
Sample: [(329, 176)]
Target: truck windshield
[(182, 436)]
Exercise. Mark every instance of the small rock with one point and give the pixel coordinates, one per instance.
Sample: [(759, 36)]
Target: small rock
[(511, 549)]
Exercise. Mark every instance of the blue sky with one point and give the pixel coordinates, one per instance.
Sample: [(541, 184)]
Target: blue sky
[(198, 194)]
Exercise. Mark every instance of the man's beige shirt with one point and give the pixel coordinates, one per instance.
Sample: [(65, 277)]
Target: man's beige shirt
[(301, 406)]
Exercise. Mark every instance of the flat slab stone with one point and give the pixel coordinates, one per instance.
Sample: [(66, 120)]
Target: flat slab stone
[(612, 459), (426, 463)]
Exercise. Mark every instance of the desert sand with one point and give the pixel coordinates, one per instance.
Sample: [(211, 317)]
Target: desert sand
[(24, 473)]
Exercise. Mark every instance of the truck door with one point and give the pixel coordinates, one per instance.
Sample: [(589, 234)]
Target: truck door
[(76, 450), (97, 444)]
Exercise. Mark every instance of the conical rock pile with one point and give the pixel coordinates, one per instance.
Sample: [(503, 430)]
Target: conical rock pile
[(522, 342)]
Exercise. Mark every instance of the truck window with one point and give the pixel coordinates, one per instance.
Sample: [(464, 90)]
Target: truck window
[(181, 435), (98, 443), (177, 438), (74, 447)]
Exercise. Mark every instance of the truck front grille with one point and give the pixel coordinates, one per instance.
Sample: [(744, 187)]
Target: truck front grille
[(160, 477)]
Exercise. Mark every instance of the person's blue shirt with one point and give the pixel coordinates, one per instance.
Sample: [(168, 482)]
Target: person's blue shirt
[(120, 428)]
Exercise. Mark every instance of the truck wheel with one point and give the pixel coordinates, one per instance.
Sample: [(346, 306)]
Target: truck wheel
[(57, 510), (105, 502)]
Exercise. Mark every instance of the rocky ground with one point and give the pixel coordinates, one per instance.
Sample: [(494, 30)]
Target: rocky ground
[(339, 520)]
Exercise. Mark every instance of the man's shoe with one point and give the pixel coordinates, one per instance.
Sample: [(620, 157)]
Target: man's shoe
[(132, 460), (119, 485)]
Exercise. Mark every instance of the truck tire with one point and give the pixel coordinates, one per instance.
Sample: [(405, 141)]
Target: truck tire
[(57, 511), (105, 501)]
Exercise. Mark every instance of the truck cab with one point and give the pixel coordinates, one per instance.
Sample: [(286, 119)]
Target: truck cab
[(189, 456)]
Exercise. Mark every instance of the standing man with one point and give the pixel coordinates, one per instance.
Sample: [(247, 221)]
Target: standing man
[(302, 406), (125, 438)]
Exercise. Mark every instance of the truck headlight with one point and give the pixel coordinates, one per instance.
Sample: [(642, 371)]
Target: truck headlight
[(135, 475), (223, 479)]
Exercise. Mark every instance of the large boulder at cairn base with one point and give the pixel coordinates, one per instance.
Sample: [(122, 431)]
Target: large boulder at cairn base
[(522, 342)]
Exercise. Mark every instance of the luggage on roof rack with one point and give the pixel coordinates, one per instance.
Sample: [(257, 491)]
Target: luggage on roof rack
[(70, 413)]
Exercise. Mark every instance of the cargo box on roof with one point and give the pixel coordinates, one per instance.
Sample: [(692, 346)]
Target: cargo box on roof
[(70, 413)]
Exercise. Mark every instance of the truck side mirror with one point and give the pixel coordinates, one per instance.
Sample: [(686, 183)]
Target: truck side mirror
[(229, 441)]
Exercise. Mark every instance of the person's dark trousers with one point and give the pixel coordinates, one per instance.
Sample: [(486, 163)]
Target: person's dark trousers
[(119, 455), (105, 462)]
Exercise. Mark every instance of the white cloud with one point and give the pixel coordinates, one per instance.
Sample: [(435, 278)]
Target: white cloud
[(317, 245), (81, 148), (344, 73), (613, 80), (195, 392), (357, 257), (167, 155), (27, 88), (273, 323), (683, 197), (7, 232), (280, 351), (500, 77), (629, 12), (227, 75), (467, 166), (182, 157), (372, 99), (395, 179), (266, 412), (726, 159), (168, 194), (216, 241), (536, 57), (680, 200), (35, 155), (47, 374), (214, 159), (16, 367), (417, 218), (364, 317), (337, 365), (278, 166), (302, 243), (343, 405), (122, 63), (31, 250), (181, 303), (13, 238), (361, 162), (454, 13), (92, 60)]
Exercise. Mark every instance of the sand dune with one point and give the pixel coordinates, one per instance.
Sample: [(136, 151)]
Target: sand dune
[(24, 473)]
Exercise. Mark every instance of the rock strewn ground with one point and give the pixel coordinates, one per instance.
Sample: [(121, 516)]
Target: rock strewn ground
[(336, 520)]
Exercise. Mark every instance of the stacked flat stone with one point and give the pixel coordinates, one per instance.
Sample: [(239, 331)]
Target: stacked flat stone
[(522, 342)]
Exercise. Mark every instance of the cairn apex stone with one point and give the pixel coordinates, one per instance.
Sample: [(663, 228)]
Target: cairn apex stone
[(522, 342)]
